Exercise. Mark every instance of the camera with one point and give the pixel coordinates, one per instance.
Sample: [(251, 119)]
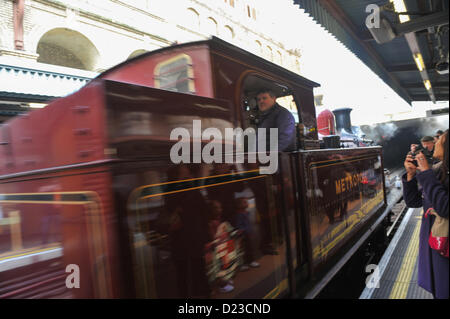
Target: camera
[(442, 67), (418, 150)]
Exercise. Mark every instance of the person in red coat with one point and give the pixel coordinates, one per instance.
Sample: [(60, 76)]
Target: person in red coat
[(428, 187)]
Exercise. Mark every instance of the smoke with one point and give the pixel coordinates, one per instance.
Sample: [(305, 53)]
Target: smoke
[(396, 137), (384, 132), (429, 126), (380, 133)]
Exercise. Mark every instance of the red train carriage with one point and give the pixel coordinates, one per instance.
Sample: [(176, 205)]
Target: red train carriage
[(91, 204)]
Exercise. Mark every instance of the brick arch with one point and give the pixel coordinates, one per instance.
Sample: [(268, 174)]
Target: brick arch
[(66, 47), (258, 47), (228, 33), (193, 18), (137, 52), (269, 53), (211, 26)]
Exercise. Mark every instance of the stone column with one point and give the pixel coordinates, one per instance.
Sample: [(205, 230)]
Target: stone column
[(18, 12)]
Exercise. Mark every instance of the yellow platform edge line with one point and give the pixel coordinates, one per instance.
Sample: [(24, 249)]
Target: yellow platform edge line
[(403, 280)]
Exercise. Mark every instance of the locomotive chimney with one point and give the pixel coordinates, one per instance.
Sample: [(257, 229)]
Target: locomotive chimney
[(343, 122)]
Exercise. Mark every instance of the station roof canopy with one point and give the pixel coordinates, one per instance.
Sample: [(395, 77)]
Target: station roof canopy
[(27, 84), (392, 48)]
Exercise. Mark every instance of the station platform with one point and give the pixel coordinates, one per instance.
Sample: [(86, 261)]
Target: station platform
[(397, 269)]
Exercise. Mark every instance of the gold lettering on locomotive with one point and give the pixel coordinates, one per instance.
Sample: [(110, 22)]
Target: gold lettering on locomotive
[(348, 183), (338, 187)]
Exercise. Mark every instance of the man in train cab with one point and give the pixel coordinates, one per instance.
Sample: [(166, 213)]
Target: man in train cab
[(273, 115)]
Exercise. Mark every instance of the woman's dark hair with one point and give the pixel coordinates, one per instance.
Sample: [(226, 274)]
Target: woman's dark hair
[(445, 163)]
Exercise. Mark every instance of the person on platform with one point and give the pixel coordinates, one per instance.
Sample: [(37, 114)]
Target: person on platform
[(438, 135), (427, 148), (428, 143), (433, 274)]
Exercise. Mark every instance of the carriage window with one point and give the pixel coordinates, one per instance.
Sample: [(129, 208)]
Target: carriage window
[(175, 74)]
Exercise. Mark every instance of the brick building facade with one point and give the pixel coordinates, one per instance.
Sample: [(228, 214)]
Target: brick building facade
[(65, 43)]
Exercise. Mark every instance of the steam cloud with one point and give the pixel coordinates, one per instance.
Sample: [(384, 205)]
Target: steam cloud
[(380, 133), (396, 137)]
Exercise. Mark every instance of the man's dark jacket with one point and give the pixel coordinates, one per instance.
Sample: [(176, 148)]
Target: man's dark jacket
[(279, 117)]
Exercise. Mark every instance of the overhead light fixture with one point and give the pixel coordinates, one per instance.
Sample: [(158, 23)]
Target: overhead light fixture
[(419, 61), (400, 7), (442, 65), (427, 84), (36, 105)]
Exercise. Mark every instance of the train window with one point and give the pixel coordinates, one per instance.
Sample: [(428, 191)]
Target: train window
[(175, 74), (40, 234), (289, 103), (19, 229), (30, 243), (10, 231)]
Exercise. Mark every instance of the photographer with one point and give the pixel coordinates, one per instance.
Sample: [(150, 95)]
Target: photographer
[(426, 147), (433, 274), (438, 135)]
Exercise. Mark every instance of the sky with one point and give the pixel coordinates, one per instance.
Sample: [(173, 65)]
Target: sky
[(345, 80)]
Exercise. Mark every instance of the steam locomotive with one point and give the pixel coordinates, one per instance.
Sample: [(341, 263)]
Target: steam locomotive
[(91, 205), (336, 130)]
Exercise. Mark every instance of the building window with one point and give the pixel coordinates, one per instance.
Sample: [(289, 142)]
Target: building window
[(136, 53), (175, 74), (193, 19), (228, 33), (211, 26), (79, 52), (279, 58), (318, 100), (269, 53), (230, 2), (251, 12), (297, 65), (258, 47)]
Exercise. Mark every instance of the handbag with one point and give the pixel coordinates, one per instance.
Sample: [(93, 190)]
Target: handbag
[(438, 239)]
